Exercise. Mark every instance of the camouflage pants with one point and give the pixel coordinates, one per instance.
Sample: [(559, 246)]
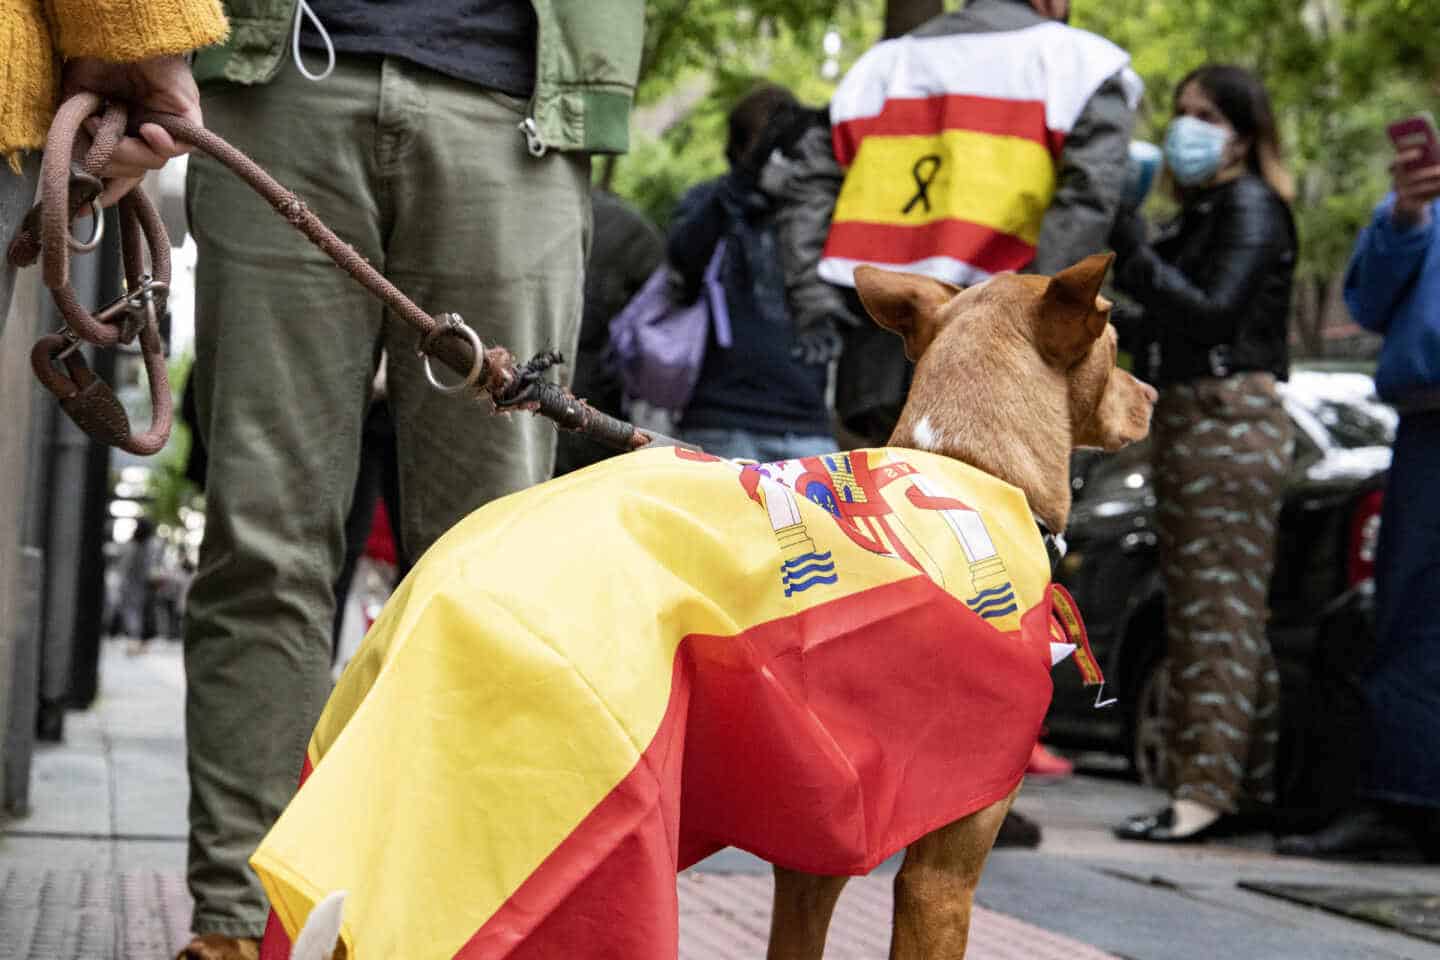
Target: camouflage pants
[(1222, 448)]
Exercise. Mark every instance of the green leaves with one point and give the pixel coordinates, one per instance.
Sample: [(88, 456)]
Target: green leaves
[(701, 56), (1337, 72)]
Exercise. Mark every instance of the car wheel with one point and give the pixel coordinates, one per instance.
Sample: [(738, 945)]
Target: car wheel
[(1150, 738)]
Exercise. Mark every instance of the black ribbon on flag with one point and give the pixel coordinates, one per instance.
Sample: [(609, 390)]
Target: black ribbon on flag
[(924, 172)]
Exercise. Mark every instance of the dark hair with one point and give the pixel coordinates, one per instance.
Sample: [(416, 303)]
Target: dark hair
[(144, 528), (1241, 97), (750, 117)]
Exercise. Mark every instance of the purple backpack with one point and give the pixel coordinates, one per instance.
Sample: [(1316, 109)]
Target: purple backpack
[(659, 345)]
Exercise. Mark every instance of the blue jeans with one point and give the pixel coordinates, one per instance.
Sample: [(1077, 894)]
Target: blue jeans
[(1403, 687), (753, 445)]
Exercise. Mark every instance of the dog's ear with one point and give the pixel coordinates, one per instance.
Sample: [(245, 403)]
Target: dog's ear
[(904, 303), (1072, 312)]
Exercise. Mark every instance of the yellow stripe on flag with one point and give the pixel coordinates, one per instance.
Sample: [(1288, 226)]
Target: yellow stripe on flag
[(1004, 183)]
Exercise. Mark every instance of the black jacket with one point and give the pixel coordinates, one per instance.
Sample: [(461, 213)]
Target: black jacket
[(1214, 286)]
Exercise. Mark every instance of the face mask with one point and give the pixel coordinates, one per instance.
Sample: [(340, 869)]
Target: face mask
[(1193, 150)]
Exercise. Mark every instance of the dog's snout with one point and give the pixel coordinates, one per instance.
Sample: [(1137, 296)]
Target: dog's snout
[(1150, 392)]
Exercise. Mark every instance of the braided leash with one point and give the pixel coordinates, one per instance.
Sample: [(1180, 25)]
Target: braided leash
[(70, 184)]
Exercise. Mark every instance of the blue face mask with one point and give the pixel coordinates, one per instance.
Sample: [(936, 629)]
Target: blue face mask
[(1194, 150)]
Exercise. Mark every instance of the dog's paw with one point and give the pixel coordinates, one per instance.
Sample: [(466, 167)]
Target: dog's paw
[(322, 928)]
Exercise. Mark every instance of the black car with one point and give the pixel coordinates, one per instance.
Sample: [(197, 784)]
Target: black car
[(1320, 597)]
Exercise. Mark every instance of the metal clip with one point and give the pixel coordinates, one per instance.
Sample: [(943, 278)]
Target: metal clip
[(137, 306), (72, 340), (453, 323), (533, 143)]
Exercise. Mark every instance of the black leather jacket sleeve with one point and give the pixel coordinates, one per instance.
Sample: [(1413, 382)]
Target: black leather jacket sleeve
[(1208, 287)]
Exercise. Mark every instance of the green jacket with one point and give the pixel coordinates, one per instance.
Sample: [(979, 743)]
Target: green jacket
[(585, 67)]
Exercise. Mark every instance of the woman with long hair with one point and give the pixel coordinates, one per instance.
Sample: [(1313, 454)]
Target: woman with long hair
[(1214, 291)]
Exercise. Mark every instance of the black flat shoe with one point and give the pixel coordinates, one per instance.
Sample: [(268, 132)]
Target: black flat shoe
[(1157, 827), (1018, 831), (1365, 834)]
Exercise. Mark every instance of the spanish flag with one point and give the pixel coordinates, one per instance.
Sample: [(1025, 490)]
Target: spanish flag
[(584, 687), (951, 146)]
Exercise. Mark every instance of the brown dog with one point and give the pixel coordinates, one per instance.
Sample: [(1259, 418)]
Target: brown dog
[(572, 768), (1010, 376)]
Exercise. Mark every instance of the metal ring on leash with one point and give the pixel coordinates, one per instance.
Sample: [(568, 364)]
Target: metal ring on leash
[(96, 233), (452, 323)]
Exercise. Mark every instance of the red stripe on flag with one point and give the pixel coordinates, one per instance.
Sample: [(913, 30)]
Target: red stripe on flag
[(780, 729), (611, 881), (927, 116), (977, 245), (926, 502), (275, 945)]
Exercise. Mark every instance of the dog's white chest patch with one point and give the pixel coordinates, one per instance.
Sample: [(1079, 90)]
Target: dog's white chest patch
[(926, 436)]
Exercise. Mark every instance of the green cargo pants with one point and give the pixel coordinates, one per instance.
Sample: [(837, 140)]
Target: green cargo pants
[(429, 179)]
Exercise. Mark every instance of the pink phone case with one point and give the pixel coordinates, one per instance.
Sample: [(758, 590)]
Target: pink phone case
[(1417, 131)]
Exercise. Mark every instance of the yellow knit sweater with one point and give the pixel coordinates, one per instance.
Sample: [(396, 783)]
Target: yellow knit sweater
[(35, 35)]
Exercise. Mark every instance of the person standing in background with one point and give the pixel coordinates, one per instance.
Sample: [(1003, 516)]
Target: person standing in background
[(1214, 288), (1392, 287), (762, 398), (990, 138), (139, 570)]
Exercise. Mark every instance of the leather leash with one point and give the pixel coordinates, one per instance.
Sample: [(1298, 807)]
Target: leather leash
[(70, 182)]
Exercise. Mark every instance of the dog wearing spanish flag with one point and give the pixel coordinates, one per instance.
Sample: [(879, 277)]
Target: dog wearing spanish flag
[(587, 686)]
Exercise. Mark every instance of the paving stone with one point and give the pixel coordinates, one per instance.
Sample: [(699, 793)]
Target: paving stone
[(93, 915)]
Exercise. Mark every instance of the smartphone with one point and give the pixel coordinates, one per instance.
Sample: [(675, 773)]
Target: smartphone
[(1417, 131)]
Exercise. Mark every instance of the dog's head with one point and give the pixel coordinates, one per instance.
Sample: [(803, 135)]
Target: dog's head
[(1012, 374)]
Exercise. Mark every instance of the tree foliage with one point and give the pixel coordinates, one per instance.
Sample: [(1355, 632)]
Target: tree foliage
[(1337, 71), (702, 56)]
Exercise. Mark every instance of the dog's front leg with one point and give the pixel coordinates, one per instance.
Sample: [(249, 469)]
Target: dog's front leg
[(801, 915), (935, 887)]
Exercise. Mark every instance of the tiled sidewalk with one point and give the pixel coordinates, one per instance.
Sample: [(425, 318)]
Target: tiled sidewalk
[(97, 871), (88, 915)]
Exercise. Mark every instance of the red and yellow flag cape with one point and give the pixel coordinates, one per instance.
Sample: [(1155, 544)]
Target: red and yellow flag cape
[(586, 686)]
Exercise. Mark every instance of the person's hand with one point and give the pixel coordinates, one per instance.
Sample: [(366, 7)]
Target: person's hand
[(1128, 233), (818, 344), (160, 83), (1415, 189)]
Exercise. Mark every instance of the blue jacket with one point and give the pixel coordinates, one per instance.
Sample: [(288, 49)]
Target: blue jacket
[(1393, 288)]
